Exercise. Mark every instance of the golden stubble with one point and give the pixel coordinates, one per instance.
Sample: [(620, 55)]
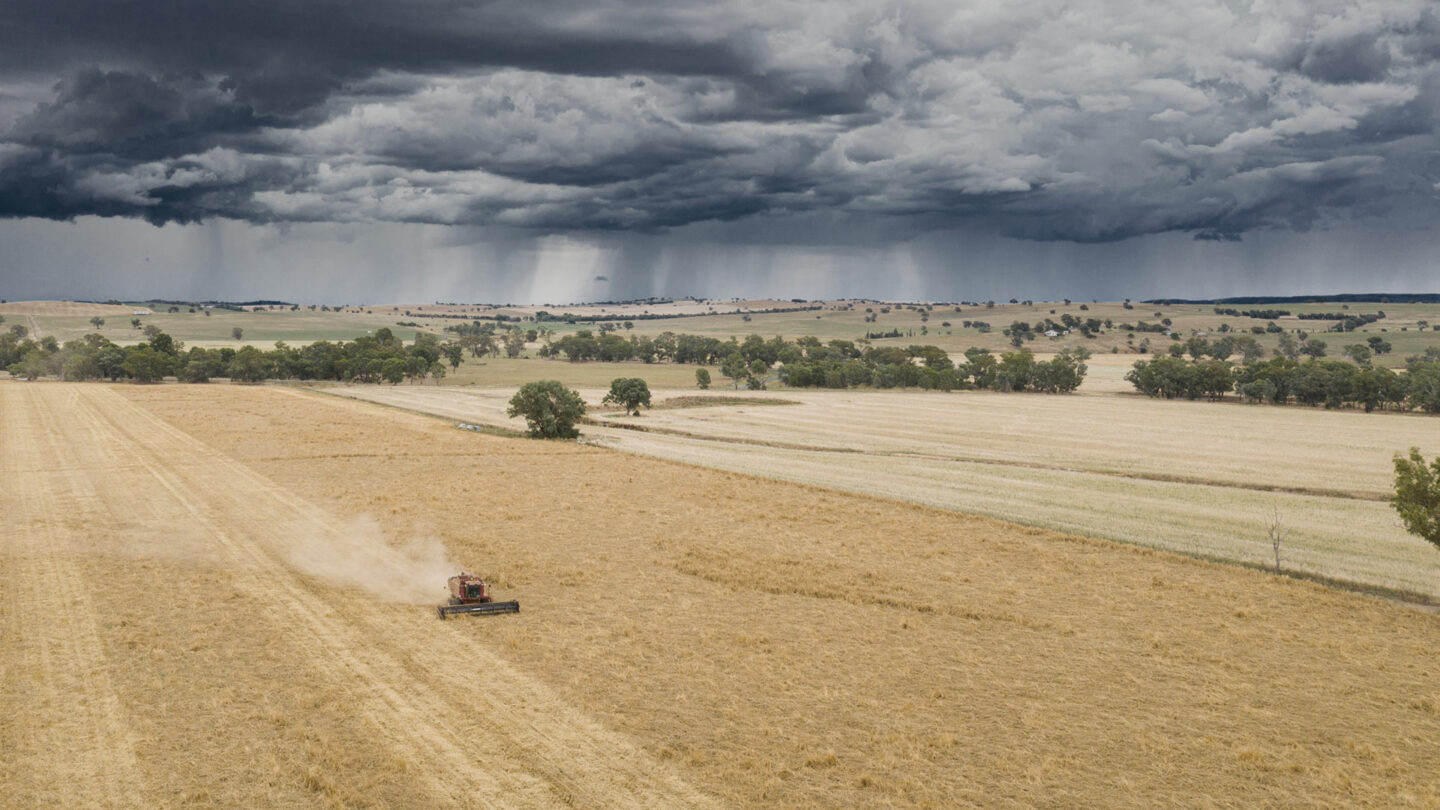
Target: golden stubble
[(782, 644)]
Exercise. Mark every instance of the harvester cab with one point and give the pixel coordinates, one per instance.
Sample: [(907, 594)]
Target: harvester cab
[(471, 594)]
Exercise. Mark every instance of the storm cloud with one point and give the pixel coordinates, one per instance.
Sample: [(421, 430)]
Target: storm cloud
[(1089, 122)]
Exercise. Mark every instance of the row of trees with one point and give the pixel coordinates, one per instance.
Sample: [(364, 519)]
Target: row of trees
[(929, 367), (808, 363), (381, 357), (1282, 380)]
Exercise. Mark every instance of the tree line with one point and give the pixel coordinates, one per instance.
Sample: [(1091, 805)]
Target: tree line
[(806, 362), (1284, 379), (381, 357)]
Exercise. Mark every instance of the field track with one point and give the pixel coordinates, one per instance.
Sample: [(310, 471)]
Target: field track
[(469, 729)]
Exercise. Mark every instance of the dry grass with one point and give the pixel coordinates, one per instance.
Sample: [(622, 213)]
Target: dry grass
[(503, 372), (717, 401), (781, 645), (1196, 477)]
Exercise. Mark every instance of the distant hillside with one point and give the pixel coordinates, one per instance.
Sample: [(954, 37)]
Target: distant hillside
[(1391, 298)]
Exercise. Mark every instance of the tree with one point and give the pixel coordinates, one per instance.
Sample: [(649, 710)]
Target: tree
[(134, 323), (249, 366), (146, 365), (1289, 347), (454, 354), (702, 378), (734, 367), (629, 392), (1359, 352), (150, 331), (97, 321), (31, 365), (1417, 495), (237, 333), (550, 409), (514, 343)]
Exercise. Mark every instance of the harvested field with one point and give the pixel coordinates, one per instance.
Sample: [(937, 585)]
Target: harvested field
[(689, 637), (1196, 477), (163, 647)]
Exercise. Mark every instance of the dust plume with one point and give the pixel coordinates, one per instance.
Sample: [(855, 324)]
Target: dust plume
[(358, 553)]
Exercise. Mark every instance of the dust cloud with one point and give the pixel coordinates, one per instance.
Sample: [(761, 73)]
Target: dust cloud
[(358, 553)]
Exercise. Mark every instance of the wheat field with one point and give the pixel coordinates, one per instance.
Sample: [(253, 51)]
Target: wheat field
[(197, 612)]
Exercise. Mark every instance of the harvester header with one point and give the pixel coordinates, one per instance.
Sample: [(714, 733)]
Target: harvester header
[(471, 594)]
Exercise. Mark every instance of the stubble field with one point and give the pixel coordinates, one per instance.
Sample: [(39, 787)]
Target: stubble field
[(1200, 478), (217, 596)]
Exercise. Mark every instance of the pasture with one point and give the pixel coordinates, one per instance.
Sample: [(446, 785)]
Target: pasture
[(218, 595)]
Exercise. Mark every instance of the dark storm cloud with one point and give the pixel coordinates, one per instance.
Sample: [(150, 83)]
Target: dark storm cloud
[(1084, 121)]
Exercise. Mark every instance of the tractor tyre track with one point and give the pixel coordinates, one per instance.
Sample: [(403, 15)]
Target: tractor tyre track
[(64, 728), (481, 731)]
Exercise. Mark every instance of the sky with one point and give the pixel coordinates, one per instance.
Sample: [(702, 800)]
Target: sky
[(536, 152)]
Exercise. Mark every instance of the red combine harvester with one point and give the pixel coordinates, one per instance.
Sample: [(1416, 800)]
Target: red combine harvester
[(470, 594)]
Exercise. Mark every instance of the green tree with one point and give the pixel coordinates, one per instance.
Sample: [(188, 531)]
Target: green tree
[(549, 408), (734, 367), (702, 378), (1289, 347), (1359, 352), (97, 321), (514, 343), (628, 392), (392, 370), (1417, 495), (31, 365), (146, 365), (454, 354), (249, 365), (237, 333)]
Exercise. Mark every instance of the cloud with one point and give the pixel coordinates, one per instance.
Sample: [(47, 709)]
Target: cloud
[(1087, 121)]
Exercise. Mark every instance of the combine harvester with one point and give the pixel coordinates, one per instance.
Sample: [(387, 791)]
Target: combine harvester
[(470, 594)]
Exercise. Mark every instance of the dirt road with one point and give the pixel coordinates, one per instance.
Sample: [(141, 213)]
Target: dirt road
[(152, 623)]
